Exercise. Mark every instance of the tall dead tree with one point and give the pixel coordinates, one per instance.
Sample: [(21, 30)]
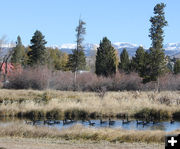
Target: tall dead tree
[(77, 60), (6, 51)]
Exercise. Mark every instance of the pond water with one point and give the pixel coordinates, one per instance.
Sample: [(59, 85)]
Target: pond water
[(132, 125), (117, 123)]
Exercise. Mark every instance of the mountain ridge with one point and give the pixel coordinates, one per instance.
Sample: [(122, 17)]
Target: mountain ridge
[(171, 49)]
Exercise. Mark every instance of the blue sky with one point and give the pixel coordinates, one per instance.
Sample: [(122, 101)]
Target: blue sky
[(119, 20)]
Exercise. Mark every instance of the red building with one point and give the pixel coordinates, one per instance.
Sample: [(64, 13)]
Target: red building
[(11, 69)]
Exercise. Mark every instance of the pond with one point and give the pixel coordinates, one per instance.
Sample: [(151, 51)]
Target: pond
[(116, 123)]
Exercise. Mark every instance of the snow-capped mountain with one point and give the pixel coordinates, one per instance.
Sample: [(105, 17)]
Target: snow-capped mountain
[(172, 46), (67, 46), (171, 49), (91, 48), (88, 48), (131, 48), (119, 45)]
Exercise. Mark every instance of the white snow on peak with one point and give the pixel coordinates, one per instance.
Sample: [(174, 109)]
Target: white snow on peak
[(124, 45), (172, 46), (88, 46), (117, 45), (67, 46)]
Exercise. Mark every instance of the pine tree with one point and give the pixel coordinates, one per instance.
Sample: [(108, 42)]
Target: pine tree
[(177, 67), (146, 69), (124, 61), (37, 55), (158, 22), (106, 59), (157, 60), (77, 59), (138, 62), (18, 52), (117, 59)]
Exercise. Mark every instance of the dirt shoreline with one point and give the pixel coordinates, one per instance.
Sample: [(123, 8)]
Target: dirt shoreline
[(26, 143)]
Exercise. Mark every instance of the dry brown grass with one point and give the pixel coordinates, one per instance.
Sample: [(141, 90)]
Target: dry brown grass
[(78, 132), (113, 103)]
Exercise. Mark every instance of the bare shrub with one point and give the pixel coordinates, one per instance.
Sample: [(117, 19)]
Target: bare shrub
[(170, 82), (43, 78), (128, 82), (61, 81), (86, 81), (35, 78), (102, 83)]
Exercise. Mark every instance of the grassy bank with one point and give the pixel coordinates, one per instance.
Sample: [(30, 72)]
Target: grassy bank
[(79, 132), (51, 103)]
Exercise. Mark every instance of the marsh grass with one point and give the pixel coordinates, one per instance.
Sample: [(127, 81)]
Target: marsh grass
[(51, 103), (78, 132)]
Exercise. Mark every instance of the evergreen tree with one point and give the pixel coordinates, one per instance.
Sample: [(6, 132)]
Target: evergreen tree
[(158, 22), (37, 55), (117, 59), (138, 62), (124, 61), (106, 59), (177, 67), (18, 52), (157, 62), (146, 69), (77, 59)]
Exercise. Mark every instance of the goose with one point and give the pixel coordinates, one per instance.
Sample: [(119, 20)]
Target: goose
[(91, 123), (36, 122), (145, 123), (111, 122), (32, 122), (56, 122), (125, 122), (49, 122), (72, 121), (45, 122), (28, 122), (172, 121), (102, 122), (139, 122), (65, 121)]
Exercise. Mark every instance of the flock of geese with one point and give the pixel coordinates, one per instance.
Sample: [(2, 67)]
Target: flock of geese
[(109, 122)]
